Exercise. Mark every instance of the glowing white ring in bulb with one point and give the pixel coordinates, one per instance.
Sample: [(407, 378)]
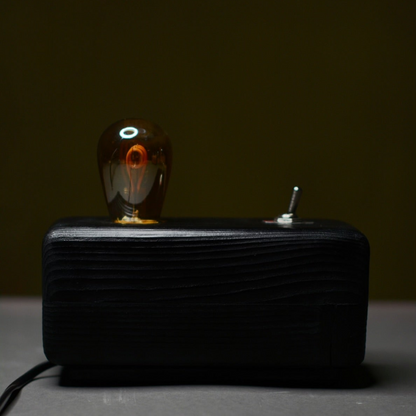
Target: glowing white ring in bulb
[(133, 130)]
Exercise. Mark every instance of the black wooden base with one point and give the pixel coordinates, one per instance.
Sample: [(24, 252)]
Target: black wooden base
[(115, 376), (198, 293)]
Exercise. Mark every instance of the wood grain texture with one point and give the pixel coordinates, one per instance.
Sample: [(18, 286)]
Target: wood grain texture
[(205, 292)]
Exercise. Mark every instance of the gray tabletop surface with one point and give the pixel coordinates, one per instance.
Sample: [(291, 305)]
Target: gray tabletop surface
[(390, 359)]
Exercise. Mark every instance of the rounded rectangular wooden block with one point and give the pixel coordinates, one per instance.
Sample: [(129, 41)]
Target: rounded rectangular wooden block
[(205, 292)]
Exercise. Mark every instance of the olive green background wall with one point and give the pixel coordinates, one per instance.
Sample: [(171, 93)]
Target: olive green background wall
[(257, 96)]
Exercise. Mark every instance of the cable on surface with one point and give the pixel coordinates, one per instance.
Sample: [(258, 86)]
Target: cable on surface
[(14, 389)]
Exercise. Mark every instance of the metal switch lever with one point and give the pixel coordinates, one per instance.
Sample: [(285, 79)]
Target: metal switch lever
[(288, 217)]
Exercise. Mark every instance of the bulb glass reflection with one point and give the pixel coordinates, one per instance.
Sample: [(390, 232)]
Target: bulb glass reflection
[(128, 132), (134, 159)]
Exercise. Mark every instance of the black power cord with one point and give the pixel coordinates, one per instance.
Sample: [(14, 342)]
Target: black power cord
[(14, 389)]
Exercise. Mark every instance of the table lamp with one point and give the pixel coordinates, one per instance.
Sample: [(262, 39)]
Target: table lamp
[(138, 289)]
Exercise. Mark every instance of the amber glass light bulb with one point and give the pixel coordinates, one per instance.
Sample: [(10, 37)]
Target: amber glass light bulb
[(134, 159)]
